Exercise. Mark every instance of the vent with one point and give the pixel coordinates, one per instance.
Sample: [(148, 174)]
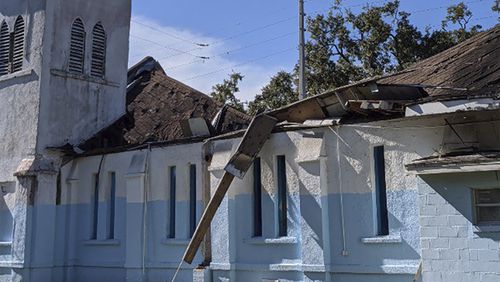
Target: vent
[(18, 45), (77, 47), (4, 49), (98, 65)]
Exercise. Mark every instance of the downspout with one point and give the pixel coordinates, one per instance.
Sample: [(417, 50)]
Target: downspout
[(145, 210), (206, 159)]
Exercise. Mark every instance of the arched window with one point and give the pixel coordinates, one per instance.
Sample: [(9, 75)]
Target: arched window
[(4, 48), (18, 45), (98, 66), (77, 47)]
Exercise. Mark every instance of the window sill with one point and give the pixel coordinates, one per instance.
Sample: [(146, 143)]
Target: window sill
[(175, 242), (388, 239), (271, 241), (486, 228), (10, 76), (5, 244), (84, 77), (110, 242)]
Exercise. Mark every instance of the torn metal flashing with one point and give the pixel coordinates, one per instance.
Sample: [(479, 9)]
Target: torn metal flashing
[(456, 162)]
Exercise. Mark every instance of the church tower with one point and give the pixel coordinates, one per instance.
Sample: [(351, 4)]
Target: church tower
[(63, 77), (63, 73)]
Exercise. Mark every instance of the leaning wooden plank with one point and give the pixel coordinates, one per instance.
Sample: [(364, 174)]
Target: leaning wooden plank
[(207, 217), (256, 135)]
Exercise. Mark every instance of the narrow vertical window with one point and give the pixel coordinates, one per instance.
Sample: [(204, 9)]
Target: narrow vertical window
[(282, 196), (112, 205), (98, 65), (192, 199), (58, 189), (4, 48), (95, 206), (257, 199), (172, 205), (380, 191), (17, 44), (77, 47)]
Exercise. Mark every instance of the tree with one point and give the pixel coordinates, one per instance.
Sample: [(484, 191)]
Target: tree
[(460, 15), (345, 46), (224, 92), (280, 91)]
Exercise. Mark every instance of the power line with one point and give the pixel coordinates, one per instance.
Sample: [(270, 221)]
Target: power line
[(169, 34), (241, 64), (442, 7), (168, 48), (233, 50)]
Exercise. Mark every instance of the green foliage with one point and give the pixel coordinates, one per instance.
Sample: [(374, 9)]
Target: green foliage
[(345, 46), (280, 91), (496, 6), (225, 92), (460, 15)]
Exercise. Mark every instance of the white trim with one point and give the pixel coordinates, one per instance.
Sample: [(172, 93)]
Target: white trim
[(389, 239), (441, 107), (409, 269), (110, 242), (175, 242), (26, 72), (271, 241), (455, 168)]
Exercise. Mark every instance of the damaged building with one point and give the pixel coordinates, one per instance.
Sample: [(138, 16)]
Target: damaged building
[(111, 174)]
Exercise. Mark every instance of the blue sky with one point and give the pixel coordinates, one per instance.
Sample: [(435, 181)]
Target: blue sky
[(254, 37)]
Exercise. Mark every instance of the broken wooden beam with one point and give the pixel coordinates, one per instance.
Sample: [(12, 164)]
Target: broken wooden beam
[(256, 135)]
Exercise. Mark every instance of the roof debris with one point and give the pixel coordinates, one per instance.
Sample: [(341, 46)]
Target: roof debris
[(162, 109)]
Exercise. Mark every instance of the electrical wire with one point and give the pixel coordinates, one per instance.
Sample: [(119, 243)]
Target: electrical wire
[(169, 34), (233, 50), (167, 47), (241, 64)]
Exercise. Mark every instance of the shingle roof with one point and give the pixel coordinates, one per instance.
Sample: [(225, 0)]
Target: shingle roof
[(156, 105), (469, 69), (473, 64)]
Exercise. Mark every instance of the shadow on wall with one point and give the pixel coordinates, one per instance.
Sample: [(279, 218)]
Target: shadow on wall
[(457, 190)]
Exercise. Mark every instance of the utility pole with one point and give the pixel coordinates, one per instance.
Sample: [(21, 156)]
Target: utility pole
[(302, 55)]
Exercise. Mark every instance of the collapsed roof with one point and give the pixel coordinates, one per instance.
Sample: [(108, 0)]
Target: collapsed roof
[(162, 109), (469, 69)]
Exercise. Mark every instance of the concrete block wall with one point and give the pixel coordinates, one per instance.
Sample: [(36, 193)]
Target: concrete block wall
[(451, 249)]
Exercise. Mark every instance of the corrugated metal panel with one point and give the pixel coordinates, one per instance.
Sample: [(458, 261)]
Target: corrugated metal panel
[(98, 66), (77, 47), (18, 45), (4, 49)]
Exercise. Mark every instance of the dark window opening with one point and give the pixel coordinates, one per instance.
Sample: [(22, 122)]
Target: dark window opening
[(95, 207), (112, 205), (282, 197), (257, 199), (77, 47), (192, 199), (98, 63), (12, 47), (171, 230), (4, 48), (380, 191), (17, 45), (487, 206), (58, 189)]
